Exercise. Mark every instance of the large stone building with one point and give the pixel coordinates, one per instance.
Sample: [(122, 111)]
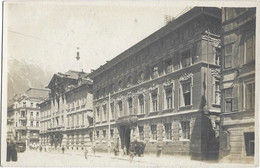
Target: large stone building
[(164, 90), (66, 114), (23, 116), (238, 84)]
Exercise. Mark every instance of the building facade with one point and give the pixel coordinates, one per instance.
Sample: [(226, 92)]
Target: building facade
[(23, 118), (164, 90), (66, 114), (238, 84)]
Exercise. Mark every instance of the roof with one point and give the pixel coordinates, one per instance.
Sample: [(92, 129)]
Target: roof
[(175, 24), (71, 74), (37, 93)]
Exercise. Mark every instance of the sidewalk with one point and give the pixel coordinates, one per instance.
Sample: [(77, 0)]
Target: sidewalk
[(151, 159)]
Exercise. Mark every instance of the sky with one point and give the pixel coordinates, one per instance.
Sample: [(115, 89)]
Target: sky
[(48, 33)]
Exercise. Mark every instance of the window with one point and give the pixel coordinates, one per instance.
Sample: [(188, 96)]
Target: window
[(228, 56), (168, 66), (217, 56), (154, 101), (129, 81), (228, 99), (176, 63), (155, 73), (97, 134), (169, 98), (24, 104), (250, 143), (105, 112), (112, 109), (185, 127), (31, 113), (111, 133), (31, 124), (185, 94), (23, 114), (97, 117), (141, 76), (120, 84), (217, 93), (141, 103), (186, 59), (250, 95), (130, 105), (168, 131), (31, 104), (141, 132), (37, 114), (250, 49), (37, 124), (77, 119), (120, 107), (154, 132), (82, 119), (104, 133)]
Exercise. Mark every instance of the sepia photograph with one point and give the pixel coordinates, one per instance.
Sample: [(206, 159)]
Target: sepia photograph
[(129, 84)]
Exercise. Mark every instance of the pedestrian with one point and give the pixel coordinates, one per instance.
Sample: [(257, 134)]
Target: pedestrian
[(86, 153), (40, 148), (94, 150), (124, 151), (159, 150), (14, 151), (63, 149), (9, 151)]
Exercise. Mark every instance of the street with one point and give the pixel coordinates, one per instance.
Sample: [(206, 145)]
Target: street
[(77, 159)]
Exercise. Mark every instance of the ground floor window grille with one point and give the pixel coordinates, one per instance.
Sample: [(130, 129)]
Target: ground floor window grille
[(185, 127), (154, 132), (168, 131)]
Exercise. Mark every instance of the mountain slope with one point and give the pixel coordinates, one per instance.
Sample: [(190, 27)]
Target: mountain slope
[(24, 75)]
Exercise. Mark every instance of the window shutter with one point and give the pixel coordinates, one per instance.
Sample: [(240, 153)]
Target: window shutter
[(235, 98)]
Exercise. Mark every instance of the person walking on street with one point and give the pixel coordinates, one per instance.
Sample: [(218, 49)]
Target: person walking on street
[(94, 150), (14, 151), (86, 153), (63, 149), (40, 148), (9, 151)]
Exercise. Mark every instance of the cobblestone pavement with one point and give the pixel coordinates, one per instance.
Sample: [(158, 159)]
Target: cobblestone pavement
[(77, 159)]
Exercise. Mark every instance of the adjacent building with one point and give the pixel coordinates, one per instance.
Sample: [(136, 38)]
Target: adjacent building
[(66, 115), (165, 90), (23, 116), (238, 85)]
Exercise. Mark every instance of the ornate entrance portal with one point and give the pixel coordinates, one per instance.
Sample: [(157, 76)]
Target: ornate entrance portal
[(126, 126), (125, 137)]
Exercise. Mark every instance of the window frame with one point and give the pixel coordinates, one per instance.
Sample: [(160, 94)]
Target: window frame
[(228, 55)]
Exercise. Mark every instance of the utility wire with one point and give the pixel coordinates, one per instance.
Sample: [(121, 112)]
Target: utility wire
[(34, 37)]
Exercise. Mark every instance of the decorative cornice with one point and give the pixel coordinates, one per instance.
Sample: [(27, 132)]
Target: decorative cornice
[(153, 87), (185, 76), (168, 82)]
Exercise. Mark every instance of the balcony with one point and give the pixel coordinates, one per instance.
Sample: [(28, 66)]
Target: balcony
[(22, 118), (34, 137), (21, 128), (10, 120)]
